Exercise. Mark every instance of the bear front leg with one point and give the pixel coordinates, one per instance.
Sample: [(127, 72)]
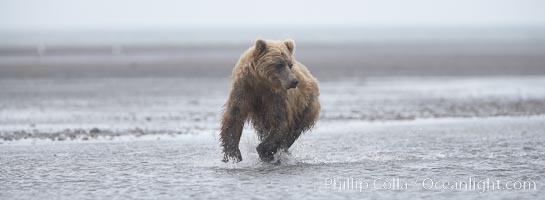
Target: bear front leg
[(288, 142), (232, 123), (231, 131), (305, 121), (267, 149), (277, 130)]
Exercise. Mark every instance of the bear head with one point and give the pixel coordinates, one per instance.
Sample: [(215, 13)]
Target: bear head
[(273, 62)]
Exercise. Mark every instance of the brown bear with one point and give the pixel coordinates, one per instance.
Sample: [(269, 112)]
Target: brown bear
[(273, 91)]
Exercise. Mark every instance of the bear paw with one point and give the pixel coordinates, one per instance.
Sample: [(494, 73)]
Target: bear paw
[(266, 154), (232, 155)]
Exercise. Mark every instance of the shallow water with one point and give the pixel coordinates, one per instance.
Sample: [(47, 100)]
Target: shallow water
[(377, 138), (65, 109), (499, 149)]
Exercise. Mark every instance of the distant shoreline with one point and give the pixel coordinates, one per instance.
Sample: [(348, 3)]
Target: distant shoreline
[(326, 60)]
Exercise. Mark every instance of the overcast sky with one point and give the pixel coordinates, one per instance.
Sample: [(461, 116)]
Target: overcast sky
[(172, 14)]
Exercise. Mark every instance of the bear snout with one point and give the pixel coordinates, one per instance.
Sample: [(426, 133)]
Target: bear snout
[(293, 83)]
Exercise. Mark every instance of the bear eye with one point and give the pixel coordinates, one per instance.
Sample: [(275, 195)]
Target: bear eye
[(290, 66), (279, 66)]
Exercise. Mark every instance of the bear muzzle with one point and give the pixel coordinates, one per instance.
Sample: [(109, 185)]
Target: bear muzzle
[(293, 83)]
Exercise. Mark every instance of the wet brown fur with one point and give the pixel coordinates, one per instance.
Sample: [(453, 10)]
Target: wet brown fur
[(259, 94)]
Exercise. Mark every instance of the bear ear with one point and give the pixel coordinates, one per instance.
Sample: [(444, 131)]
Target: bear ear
[(290, 44), (260, 47)]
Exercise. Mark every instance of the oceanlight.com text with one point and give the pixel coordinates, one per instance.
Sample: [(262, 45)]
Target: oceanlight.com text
[(467, 184)]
